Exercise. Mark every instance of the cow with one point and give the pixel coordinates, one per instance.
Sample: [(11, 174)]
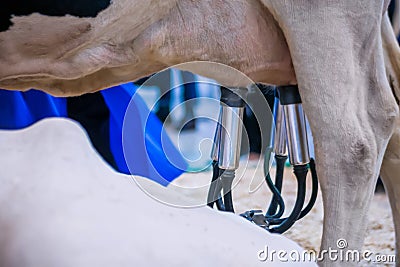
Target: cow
[(74, 210), (342, 54)]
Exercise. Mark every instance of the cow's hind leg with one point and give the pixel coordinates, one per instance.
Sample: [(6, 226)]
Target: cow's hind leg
[(349, 149), (390, 174), (338, 60)]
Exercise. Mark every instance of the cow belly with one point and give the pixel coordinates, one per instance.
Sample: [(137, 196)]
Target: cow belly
[(101, 52), (240, 34)]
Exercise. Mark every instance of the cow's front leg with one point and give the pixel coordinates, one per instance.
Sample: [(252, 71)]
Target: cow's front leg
[(336, 48)]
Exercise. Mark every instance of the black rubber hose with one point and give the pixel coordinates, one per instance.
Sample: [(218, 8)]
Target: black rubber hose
[(214, 193), (277, 198), (227, 179), (301, 175), (313, 198), (314, 192), (214, 180), (218, 192)]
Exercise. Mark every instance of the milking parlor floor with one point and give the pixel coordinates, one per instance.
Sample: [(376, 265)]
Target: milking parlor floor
[(307, 232)]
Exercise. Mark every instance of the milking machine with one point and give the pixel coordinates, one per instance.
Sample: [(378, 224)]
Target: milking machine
[(289, 139)]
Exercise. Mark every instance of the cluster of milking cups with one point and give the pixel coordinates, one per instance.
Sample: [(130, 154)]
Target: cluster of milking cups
[(288, 139)]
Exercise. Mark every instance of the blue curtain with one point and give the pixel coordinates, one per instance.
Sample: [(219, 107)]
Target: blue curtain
[(145, 145), (22, 109)]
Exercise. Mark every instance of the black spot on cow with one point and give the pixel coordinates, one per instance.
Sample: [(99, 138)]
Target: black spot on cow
[(77, 8)]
